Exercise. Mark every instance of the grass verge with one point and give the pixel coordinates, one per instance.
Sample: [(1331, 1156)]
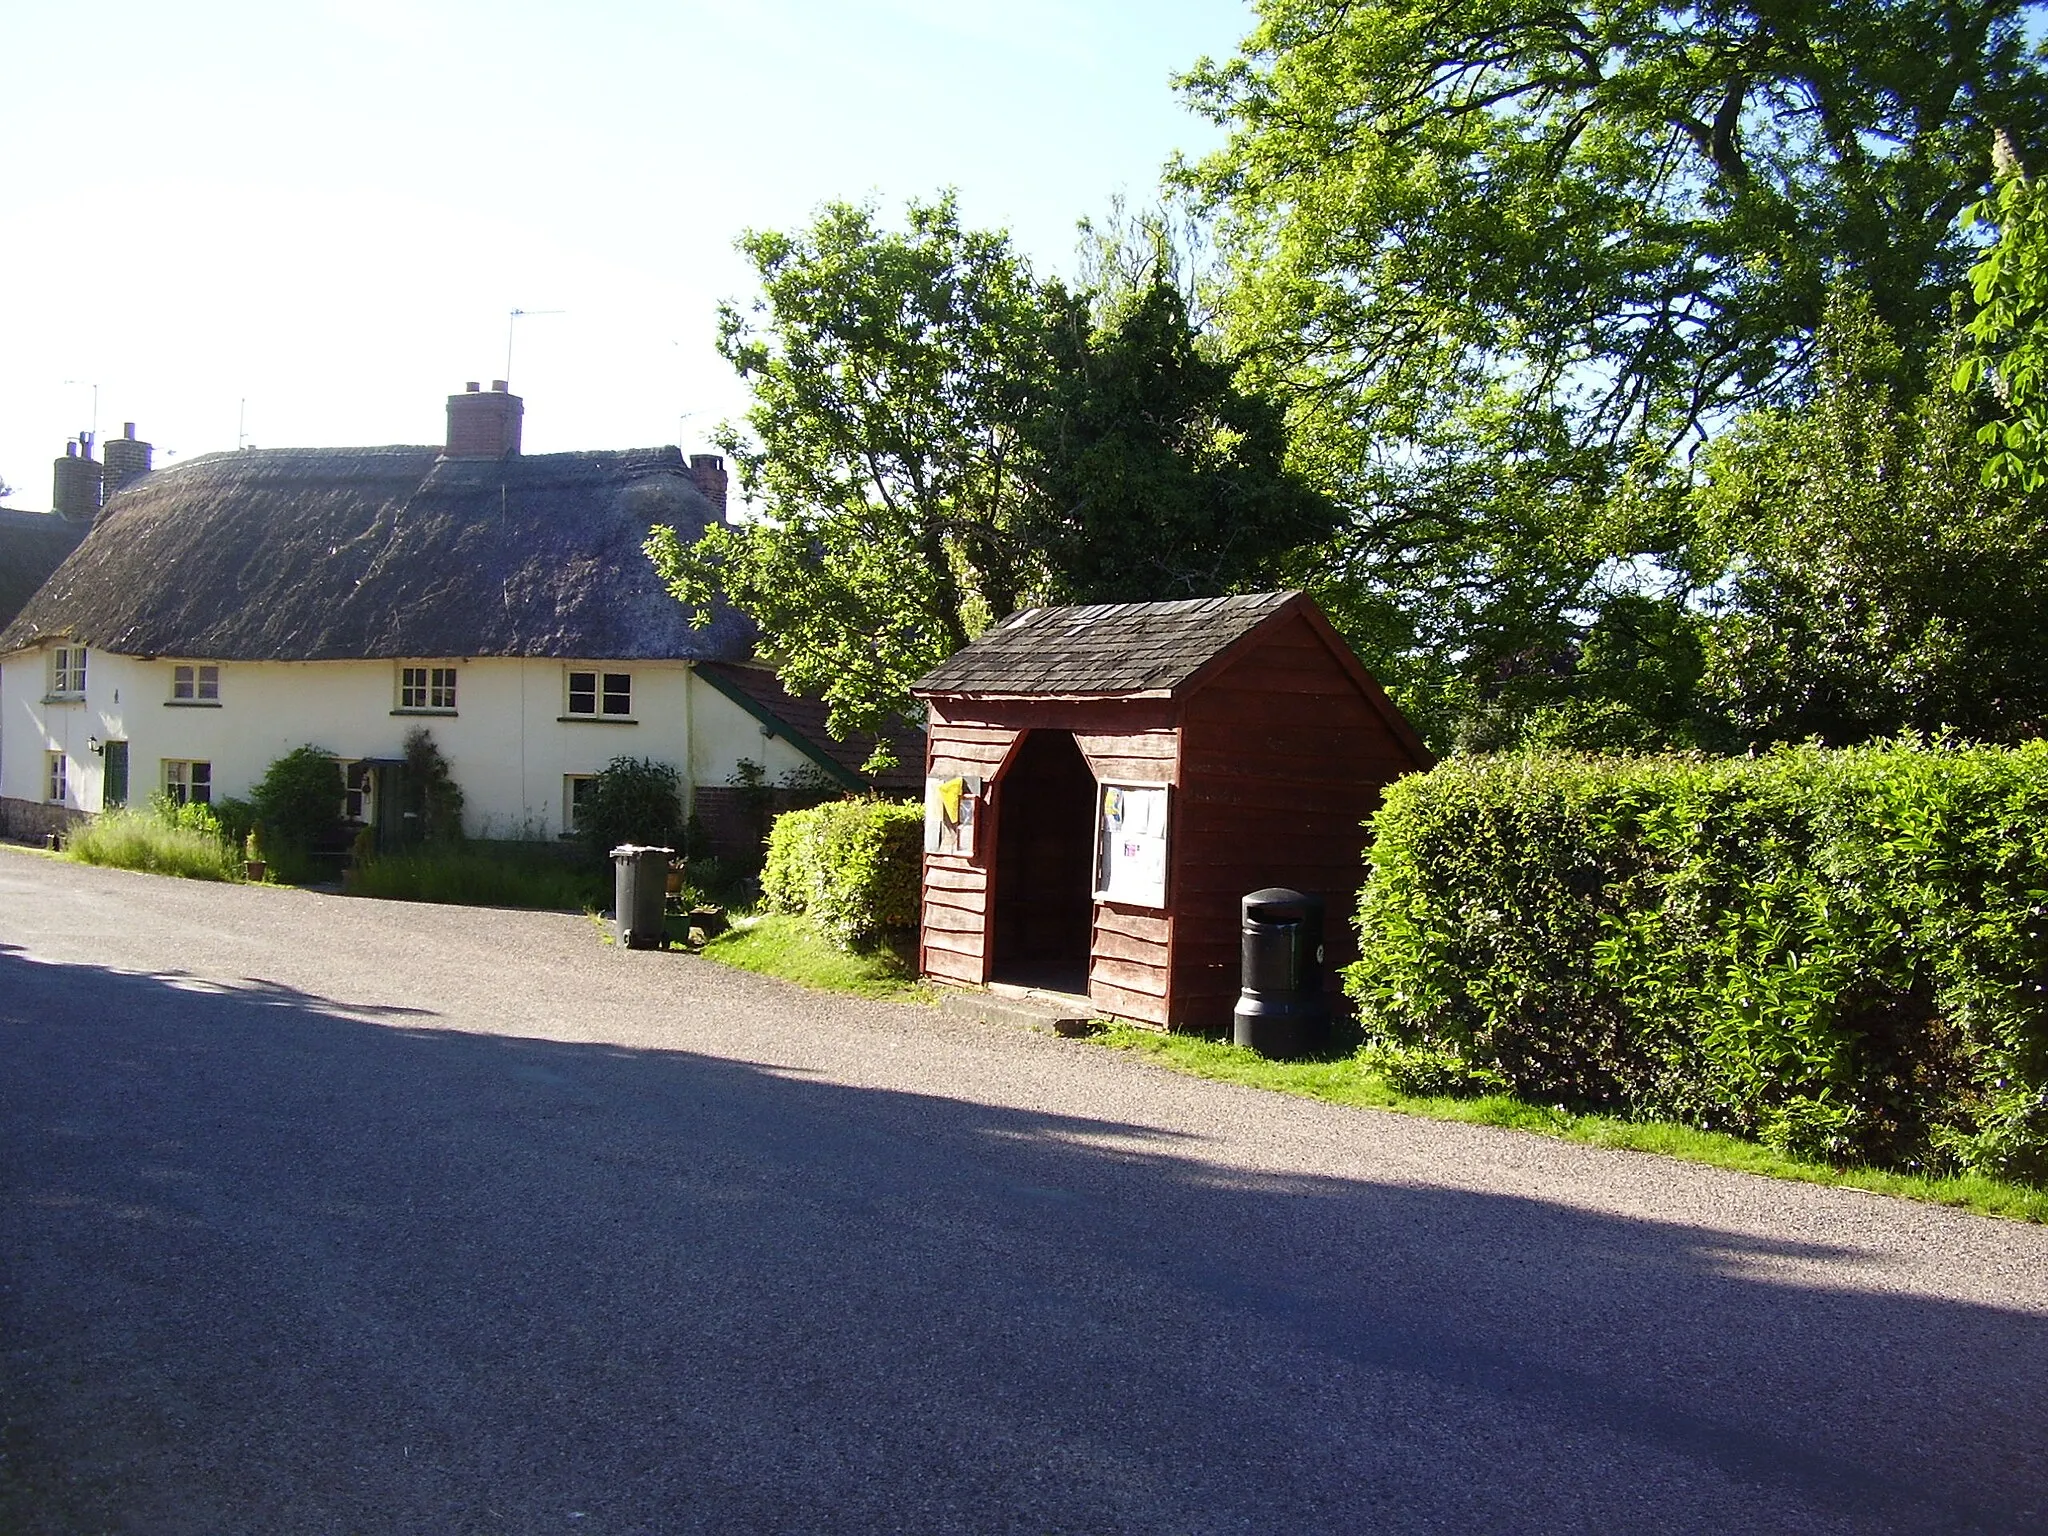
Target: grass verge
[(1348, 1081), (777, 944)]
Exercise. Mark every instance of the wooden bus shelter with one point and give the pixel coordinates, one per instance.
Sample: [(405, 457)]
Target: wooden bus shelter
[(1104, 784)]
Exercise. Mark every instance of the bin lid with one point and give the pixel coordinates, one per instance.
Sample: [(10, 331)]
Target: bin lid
[(636, 851), (1277, 904)]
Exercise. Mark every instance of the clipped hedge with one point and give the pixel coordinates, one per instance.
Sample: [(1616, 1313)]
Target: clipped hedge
[(852, 866), (1844, 954)]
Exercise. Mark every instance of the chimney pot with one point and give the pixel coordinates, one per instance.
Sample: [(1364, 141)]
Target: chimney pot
[(71, 449), (128, 430), (498, 386), (472, 386)]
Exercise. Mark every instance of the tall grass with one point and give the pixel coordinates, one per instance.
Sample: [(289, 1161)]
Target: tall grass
[(161, 840), (469, 878)]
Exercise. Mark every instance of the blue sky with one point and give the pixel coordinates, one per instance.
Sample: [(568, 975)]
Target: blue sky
[(328, 209)]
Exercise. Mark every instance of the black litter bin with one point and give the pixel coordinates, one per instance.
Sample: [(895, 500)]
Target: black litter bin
[(1282, 1010), (640, 894)]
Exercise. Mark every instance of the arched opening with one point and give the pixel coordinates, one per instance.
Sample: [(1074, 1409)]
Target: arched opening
[(1045, 866)]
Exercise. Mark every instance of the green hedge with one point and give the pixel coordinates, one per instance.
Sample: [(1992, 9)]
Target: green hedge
[(853, 866), (1844, 954)]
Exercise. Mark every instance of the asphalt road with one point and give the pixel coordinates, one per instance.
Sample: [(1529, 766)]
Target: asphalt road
[(321, 1215)]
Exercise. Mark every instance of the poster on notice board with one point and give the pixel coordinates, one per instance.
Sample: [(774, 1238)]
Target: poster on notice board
[(1130, 844), (952, 810)]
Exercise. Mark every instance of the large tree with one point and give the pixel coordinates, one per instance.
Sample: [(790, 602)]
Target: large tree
[(889, 371), (1154, 475), (2009, 330), (937, 437), (1867, 579), (1504, 257)]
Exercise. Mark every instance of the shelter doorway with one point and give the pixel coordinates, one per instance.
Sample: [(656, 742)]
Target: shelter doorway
[(1045, 866)]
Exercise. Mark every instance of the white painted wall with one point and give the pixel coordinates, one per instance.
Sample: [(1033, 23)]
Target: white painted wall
[(507, 743)]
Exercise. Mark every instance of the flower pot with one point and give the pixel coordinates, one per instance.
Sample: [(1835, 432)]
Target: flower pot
[(253, 870)]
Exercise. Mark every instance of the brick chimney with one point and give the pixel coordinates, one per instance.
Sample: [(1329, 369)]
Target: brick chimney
[(708, 470), (126, 460), (484, 425), (76, 494)]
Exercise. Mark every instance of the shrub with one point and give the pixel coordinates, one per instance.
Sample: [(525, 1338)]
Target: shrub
[(853, 866), (1844, 954), (166, 839), (299, 804), (635, 800), (432, 794)]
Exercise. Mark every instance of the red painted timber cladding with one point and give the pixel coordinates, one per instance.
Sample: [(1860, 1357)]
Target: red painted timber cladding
[(1282, 760)]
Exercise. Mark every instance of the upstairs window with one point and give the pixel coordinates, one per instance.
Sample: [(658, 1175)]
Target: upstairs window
[(599, 694), (426, 688), (188, 783), (67, 672), (195, 684)]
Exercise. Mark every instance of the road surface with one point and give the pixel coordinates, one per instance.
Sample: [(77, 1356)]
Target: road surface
[(328, 1215)]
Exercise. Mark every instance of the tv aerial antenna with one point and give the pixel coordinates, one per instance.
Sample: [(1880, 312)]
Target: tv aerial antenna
[(512, 320)]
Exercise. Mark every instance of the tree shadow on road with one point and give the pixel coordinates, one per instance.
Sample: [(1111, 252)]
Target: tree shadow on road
[(279, 1263)]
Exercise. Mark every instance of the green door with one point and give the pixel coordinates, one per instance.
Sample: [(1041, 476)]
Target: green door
[(117, 775)]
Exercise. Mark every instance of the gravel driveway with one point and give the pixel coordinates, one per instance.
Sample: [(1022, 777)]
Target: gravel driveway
[(324, 1215)]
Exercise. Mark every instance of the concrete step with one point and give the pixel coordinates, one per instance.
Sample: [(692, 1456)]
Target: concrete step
[(1058, 1013)]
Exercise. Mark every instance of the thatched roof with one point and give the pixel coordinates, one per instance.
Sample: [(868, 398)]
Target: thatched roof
[(32, 544), (758, 691), (312, 554), (1107, 648)]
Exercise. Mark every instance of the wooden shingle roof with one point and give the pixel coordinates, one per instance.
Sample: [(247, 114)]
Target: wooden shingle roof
[(1106, 648)]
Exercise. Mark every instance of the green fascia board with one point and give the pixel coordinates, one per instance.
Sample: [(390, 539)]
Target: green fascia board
[(778, 726)]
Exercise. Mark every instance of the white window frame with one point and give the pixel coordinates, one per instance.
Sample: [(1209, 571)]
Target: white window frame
[(56, 779), (187, 781), (358, 799), (426, 689), (572, 785), (67, 672), (195, 682), (602, 691)]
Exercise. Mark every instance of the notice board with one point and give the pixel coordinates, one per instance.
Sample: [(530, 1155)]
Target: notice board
[(1131, 843)]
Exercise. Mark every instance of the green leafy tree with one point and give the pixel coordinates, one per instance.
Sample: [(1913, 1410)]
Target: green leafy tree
[(889, 371), (2009, 332), (1868, 579), (938, 438), (1154, 475), (1502, 259)]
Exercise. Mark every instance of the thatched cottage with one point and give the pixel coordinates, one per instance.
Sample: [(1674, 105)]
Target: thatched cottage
[(226, 610)]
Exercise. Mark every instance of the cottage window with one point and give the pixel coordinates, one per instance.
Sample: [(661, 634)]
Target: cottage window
[(188, 783), (431, 688), (67, 672), (358, 794), (601, 694), (577, 788), (195, 684), (57, 778)]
